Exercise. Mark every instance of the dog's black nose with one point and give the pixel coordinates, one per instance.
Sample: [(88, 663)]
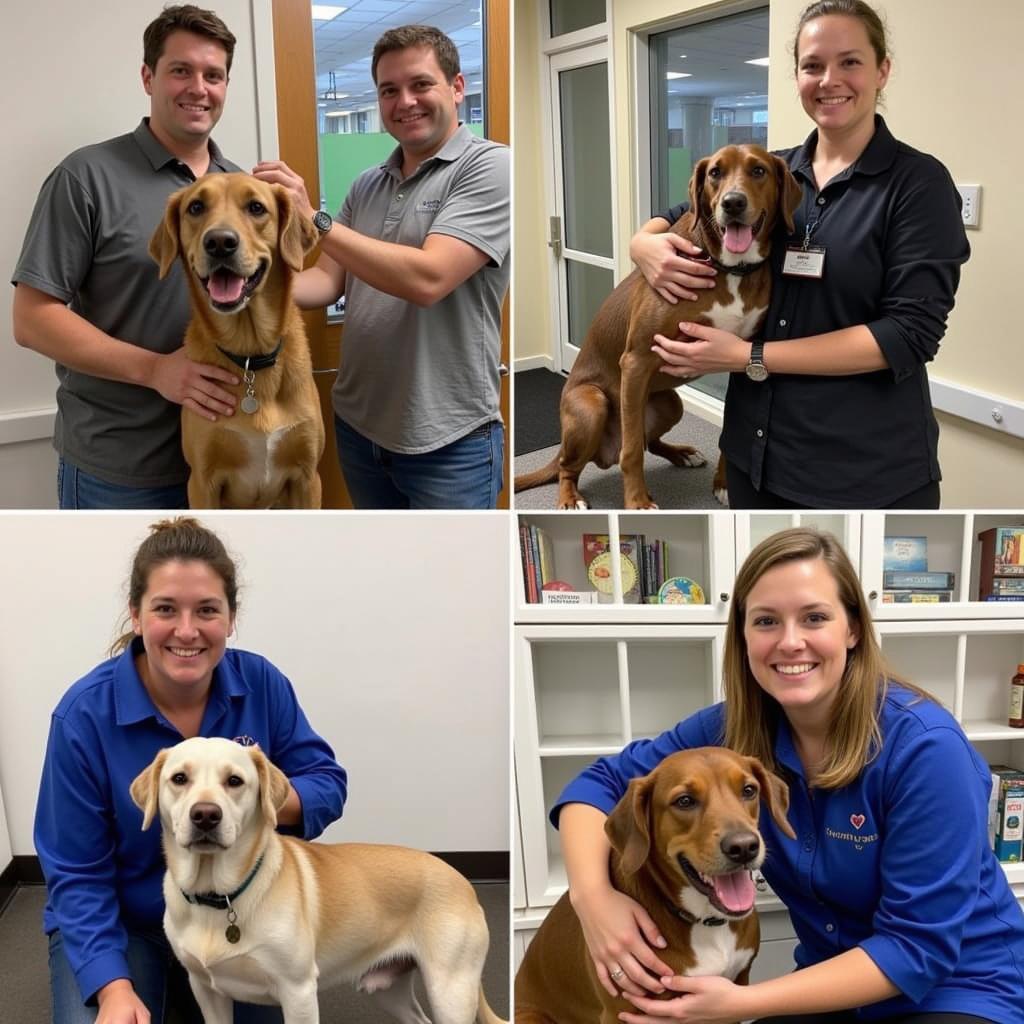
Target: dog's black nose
[(734, 203), (741, 847), (220, 242), (205, 817)]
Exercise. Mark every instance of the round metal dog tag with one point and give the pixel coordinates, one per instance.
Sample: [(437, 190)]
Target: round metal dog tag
[(250, 404), (232, 934)]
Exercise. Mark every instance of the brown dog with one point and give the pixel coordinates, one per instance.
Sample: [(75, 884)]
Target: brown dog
[(241, 242), (684, 841), (616, 402)]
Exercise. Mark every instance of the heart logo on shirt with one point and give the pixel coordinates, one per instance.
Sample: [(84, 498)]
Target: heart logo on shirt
[(857, 821)]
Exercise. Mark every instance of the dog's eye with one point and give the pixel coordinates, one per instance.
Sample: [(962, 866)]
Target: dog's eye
[(715, 173), (235, 781), (256, 208), (179, 778), (196, 207), (685, 802), (758, 172), (749, 791)]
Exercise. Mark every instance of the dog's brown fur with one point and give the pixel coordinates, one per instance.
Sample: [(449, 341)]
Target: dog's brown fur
[(616, 401), (268, 458), (557, 982)]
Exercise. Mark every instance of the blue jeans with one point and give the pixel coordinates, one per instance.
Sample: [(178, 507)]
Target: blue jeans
[(463, 474), (160, 982), (78, 489)]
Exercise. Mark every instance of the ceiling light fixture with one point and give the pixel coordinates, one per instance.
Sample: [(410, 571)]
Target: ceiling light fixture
[(324, 12)]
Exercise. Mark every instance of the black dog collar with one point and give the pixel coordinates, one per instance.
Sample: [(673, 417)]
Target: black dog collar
[(710, 922), (254, 362), (216, 900), (740, 269)]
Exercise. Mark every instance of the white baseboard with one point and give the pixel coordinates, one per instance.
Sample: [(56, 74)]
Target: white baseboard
[(535, 363)]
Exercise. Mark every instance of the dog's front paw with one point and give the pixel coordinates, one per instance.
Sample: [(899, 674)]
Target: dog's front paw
[(694, 459), (722, 496)]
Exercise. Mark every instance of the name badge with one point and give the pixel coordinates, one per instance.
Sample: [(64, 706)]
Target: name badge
[(800, 262)]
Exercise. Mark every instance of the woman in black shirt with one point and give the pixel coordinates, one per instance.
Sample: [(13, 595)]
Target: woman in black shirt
[(844, 418)]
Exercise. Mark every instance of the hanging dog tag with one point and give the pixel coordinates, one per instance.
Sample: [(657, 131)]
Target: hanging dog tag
[(249, 403), (232, 933)]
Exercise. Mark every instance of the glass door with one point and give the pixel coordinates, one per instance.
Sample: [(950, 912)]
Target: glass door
[(580, 231)]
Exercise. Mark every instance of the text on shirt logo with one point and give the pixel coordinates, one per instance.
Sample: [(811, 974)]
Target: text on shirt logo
[(428, 206)]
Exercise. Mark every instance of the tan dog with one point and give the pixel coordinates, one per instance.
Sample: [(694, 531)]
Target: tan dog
[(616, 403), (241, 242), (684, 841), (299, 914)]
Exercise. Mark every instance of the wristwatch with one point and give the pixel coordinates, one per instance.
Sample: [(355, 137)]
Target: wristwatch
[(323, 221), (756, 370)]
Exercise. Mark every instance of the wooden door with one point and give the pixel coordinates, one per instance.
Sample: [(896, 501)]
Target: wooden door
[(297, 146)]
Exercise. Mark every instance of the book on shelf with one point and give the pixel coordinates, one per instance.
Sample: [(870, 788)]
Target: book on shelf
[(898, 579), (916, 596), (538, 558), (909, 554), (644, 564), (1002, 552), (1001, 570)]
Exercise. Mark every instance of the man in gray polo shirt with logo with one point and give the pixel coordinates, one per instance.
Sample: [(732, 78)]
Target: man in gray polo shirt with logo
[(421, 253), (87, 293)]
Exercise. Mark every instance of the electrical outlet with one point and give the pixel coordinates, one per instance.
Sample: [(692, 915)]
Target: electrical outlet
[(971, 209)]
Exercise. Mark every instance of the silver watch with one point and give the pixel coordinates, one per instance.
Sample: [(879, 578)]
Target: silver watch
[(323, 221), (756, 370)]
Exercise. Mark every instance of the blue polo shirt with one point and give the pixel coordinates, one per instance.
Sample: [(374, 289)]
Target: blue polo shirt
[(897, 862), (103, 873)]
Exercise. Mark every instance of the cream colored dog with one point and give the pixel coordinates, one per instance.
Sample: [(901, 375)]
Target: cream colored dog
[(263, 918)]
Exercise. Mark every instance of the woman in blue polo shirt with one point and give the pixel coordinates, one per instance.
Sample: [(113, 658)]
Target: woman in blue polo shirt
[(844, 417), (901, 910), (174, 678)]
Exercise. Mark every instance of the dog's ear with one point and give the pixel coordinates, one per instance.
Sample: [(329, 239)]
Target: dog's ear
[(775, 793), (145, 789), (697, 186), (628, 826), (165, 244), (274, 785), (790, 192), (296, 234)]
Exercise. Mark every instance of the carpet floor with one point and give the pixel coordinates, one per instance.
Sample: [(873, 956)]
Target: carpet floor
[(537, 393), (671, 487), (25, 982)]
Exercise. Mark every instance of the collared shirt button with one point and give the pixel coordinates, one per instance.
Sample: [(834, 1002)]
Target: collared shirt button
[(760, 432), (822, 200), (830, 927), (782, 323)]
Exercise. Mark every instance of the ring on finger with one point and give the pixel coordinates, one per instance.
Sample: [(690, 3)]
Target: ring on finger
[(615, 975)]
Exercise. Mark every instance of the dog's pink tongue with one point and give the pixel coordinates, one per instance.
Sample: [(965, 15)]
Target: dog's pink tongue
[(738, 237), (736, 891), (225, 286)]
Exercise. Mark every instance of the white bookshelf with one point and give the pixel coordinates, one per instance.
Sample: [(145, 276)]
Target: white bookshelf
[(590, 679)]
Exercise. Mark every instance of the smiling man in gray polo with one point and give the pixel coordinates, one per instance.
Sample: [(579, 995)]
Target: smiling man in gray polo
[(420, 251)]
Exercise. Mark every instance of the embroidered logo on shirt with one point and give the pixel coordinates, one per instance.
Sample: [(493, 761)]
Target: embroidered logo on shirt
[(858, 838), (246, 741), (428, 206)]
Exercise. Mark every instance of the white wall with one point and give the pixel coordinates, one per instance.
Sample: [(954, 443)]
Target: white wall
[(70, 73), (5, 840), (394, 631)]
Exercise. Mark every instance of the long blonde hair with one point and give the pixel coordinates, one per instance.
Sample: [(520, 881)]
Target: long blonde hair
[(752, 716)]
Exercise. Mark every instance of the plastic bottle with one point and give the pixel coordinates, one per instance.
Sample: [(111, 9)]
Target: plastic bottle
[(1017, 699)]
